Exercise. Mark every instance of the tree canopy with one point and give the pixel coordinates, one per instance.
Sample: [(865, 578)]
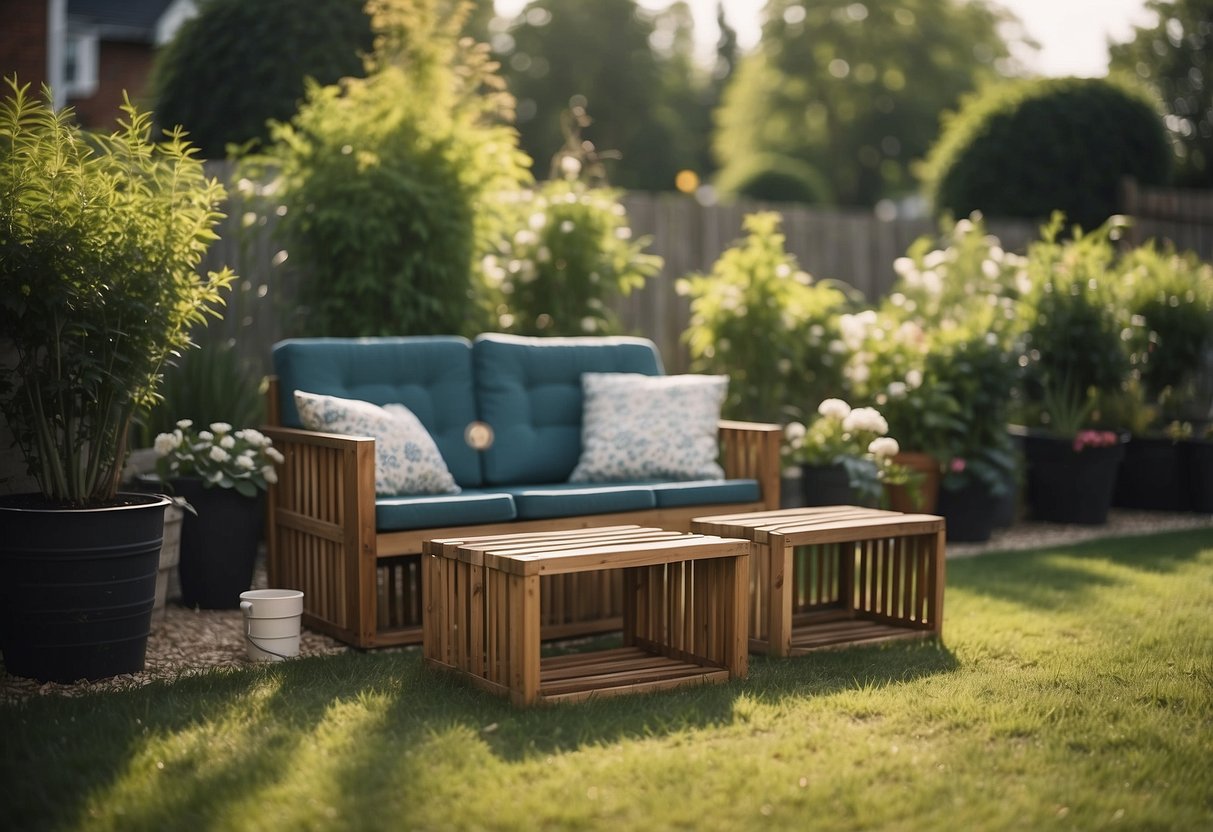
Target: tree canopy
[(1175, 57), (851, 92)]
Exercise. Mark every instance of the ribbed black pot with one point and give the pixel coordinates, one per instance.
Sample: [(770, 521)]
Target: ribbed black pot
[(970, 512), (1068, 486), (218, 544), (829, 485), (77, 586), (1152, 476), (1198, 454)]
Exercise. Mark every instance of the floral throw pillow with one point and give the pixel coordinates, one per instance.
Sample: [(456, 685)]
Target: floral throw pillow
[(638, 427), (406, 459)]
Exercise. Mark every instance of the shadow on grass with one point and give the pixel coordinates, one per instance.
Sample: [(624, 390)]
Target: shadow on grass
[(208, 742), (1055, 575)]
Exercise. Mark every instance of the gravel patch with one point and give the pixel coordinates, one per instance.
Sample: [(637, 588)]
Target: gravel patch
[(186, 641)]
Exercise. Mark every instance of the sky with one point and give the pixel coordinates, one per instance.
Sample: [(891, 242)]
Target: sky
[(1073, 34)]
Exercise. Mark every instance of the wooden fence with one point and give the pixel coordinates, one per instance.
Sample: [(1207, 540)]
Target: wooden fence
[(855, 247)]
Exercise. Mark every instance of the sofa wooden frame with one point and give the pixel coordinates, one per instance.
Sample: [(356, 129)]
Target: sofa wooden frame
[(364, 587)]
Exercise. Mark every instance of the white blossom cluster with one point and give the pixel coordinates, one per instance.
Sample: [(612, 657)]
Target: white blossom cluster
[(241, 459)]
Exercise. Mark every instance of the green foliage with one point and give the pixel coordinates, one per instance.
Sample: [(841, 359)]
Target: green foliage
[(767, 324), (854, 90), (1075, 332), (1171, 295), (387, 181), (775, 179), (647, 105), (101, 237), (1175, 57), (1029, 148), (572, 254), (208, 384), (239, 64), (242, 459)]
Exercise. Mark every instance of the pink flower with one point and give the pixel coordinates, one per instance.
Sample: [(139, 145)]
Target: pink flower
[(1094, 439), (957, 465)]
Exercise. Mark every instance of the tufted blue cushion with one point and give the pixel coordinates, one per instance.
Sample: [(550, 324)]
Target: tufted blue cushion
[(431, 511), (540, 502), (529, 391), (431, 376)]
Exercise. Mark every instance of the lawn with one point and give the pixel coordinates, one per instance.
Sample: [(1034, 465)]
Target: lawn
[(1073, 689)]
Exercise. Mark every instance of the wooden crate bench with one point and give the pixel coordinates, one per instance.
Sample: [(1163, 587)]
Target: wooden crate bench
[(685, 598), (833, 576)]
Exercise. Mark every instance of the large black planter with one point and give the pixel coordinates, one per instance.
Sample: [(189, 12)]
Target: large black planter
[(1152, 476), (970, 512), (1198, 455), (828, 485), (1068, 486), (218, 545), (77, 587)]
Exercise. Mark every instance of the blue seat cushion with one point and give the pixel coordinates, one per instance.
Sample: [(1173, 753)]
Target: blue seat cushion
[(431, 511), (430, 375), (705, 492), (539, 502), (529, 391)]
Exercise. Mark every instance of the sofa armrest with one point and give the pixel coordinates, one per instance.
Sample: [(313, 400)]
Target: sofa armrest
[(750, 450), (320, 534)]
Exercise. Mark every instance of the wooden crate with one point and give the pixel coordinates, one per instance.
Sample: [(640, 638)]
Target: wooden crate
[(684, 604), (833, 576)]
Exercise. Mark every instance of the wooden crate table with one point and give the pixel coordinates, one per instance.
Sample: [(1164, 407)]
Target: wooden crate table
[(685, 601), (832, 576)]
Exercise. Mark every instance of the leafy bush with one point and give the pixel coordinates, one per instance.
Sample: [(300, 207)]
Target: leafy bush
[(387, 181), (775, 179), (766, 323), (1029, 148), (572, 252), (238, 64)]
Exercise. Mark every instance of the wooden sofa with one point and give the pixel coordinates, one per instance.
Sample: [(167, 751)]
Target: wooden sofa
[(361, 576)]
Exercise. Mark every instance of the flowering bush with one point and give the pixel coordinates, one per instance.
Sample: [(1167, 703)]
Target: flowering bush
[(241, 459), (853, 438)]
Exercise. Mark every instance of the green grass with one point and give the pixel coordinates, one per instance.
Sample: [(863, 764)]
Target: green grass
[(1073, 689)]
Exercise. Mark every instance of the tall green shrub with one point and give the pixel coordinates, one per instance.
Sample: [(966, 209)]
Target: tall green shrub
[(1030, 148), (387, 181), (238, 64)]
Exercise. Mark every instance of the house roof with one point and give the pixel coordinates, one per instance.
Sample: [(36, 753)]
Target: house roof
[(119, 19)]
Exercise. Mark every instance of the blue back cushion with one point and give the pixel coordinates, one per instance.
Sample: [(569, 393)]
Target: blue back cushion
[(431, 376), (529, 391)]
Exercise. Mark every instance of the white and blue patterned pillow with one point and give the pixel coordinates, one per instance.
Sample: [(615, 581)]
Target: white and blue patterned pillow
[(638, 427), (406, 459)]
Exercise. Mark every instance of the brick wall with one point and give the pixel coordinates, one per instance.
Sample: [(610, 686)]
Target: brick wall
[(23, 41), (121, 66)]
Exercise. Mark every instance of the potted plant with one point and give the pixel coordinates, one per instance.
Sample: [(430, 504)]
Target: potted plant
[(101, 237), (1076, 363), (220, 473), (846, 456)]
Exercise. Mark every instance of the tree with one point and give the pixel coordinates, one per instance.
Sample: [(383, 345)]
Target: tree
[(599, 55), (1175, 56), (853, 91), (238, 64)]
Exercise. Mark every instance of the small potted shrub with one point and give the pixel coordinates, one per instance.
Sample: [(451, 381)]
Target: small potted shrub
[(101, 237), (1076, 362)]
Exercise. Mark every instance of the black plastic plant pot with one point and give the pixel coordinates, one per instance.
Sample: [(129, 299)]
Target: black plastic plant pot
[(1198, 460), (218, 544), (829, 485), (970, 513), (1068, 486), (1152, 476), (77, 586)]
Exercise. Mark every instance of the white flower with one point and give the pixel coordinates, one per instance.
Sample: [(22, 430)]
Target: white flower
[(219, 455), (567, 227), (228, 442), (865, 419), (275, 454), (794, 433), (270, 475), (245, 461), (990, 269), (570, 166), (884, 446), (253, 437), (903, 266), (834, 409), (525, 237), (165, 444), (220, 427), (214, 476), (623, 233), (935, 259), (897, 389), (185, 423), (537, 221), (205, 436), (914, 379)]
